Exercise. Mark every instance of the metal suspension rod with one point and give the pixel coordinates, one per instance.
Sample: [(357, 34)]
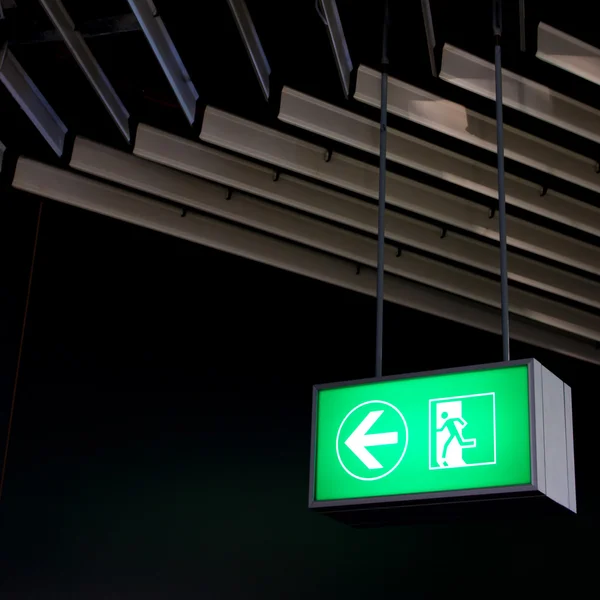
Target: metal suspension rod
[(522, 25), (382, 182), (501, 196)]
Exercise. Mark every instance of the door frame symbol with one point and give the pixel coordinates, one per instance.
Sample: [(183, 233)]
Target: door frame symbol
[(433, 464)]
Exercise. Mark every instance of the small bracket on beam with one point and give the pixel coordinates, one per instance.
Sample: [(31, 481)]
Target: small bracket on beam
[(276, 174), (444, 233), (358, 269), (492, 212), (544, 191), (598, 167), (183, 212), (228, 194), (398, 251), (327, 154)]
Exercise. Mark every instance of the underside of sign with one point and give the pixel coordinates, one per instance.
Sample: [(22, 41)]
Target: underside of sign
[(442, 445)]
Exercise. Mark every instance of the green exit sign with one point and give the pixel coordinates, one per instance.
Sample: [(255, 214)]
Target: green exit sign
[(479, 431)]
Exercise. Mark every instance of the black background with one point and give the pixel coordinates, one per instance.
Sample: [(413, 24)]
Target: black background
[(161, 435), (160, 444)]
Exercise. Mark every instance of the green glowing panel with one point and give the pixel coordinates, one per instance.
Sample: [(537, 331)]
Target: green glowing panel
[(442, 432)]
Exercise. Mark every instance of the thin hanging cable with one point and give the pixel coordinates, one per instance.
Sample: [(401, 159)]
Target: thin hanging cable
[(20, 353), (497, 25), (382, 182), (522, 35)]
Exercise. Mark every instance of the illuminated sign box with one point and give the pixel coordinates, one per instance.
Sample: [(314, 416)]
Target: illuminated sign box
[(488, 432)]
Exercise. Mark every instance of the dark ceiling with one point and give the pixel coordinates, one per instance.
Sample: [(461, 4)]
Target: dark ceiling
[(298, 49), (296, 45)]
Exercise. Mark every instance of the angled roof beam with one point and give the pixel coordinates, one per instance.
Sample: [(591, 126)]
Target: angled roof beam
[(252, 43), (287, 152), (430, 35), (330, 15), (419, 106), (183, 188), (476, 75), (568, 53), (31, 100), (88, 64), (156, 33), (344, 126), (75, 190), (241, 174)]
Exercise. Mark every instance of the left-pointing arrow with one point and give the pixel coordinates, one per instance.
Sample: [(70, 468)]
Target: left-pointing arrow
[(360, 439)]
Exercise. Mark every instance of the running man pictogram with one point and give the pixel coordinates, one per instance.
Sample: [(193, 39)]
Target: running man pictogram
[(448, 417), (450, 423)]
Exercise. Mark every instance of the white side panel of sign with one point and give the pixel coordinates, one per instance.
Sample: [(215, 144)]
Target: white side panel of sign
[(570, 449), (555, 438)]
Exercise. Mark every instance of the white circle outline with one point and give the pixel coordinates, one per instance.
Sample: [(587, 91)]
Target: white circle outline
[(337, 441)]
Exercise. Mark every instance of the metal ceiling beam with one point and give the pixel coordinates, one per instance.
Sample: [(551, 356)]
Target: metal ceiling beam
[(158, 37), (344, 126), (88, 64), (238, 173), (450, 118), (75, 190), (568, 53), (252, 43), (330, 15), (429, 34), (266, 144), (31, 100), (183, 188), (476, 75)]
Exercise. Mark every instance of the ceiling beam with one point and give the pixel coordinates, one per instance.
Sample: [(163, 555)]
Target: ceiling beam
[(76, 190), (568, 53), (239, 173), (164, 49), (31, 100), (254, 48), (417, 105), (344, 126), (529, 97), (183, 188), (88, 64), (285, 151), (330, 16)]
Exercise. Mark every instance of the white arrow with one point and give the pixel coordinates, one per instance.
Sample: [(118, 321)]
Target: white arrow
[(359, 440)]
